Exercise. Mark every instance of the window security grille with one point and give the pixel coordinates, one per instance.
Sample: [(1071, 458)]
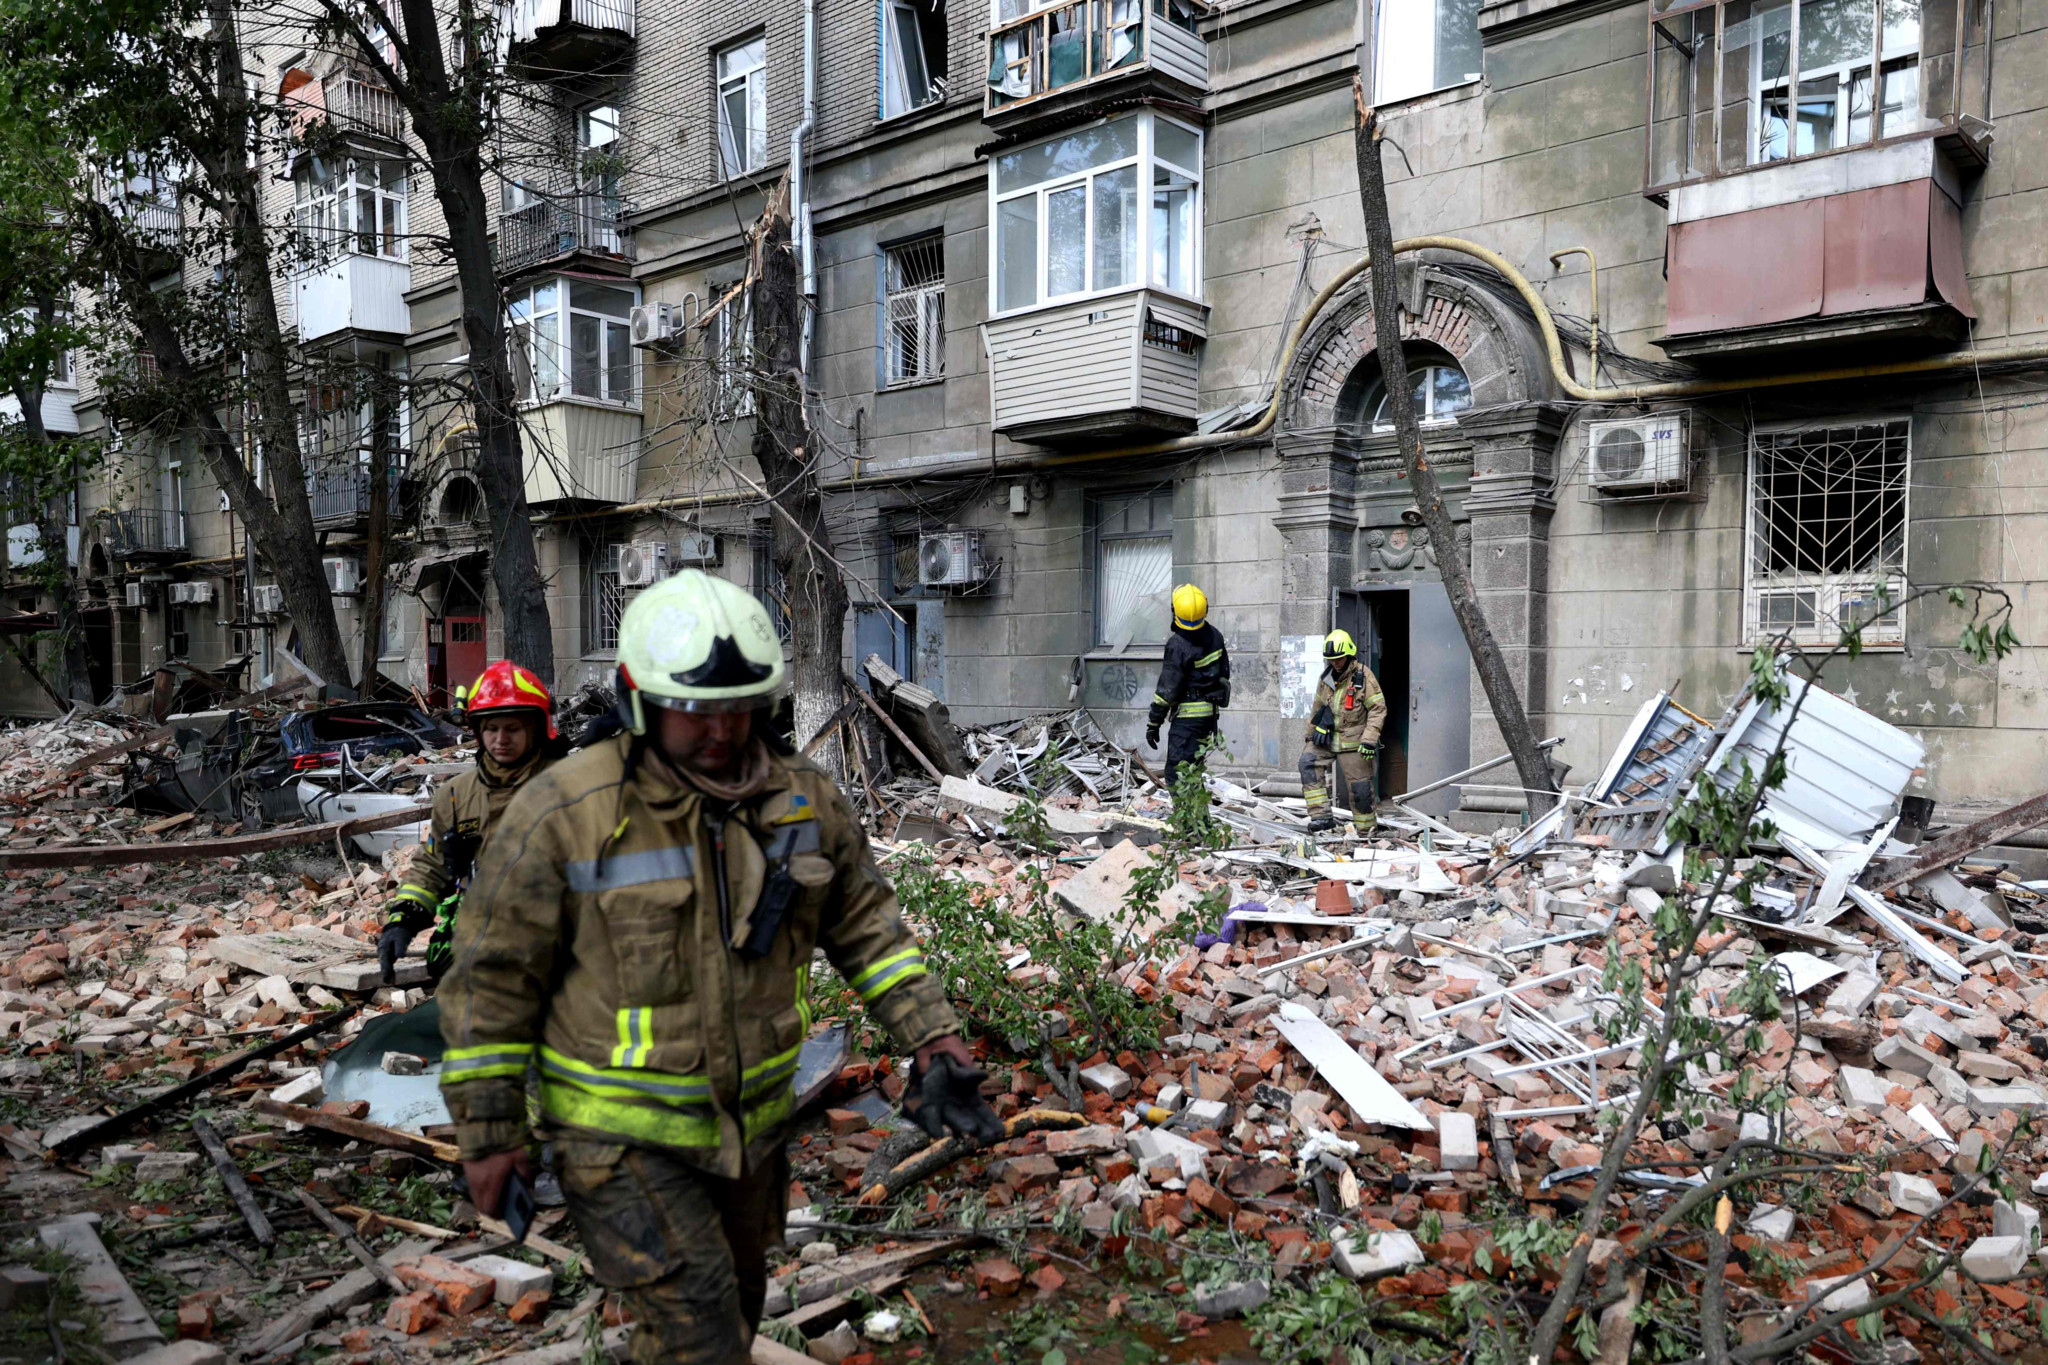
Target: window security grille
[(1827, 527), (914, 310)]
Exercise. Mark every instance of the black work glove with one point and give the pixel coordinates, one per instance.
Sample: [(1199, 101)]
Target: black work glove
[(1151, 736), (1324, 737), (948, 1095), (390, 947)]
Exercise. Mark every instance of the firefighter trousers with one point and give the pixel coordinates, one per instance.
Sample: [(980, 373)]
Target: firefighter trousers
[(1353, 774), (688, 1250), (1184, 741)]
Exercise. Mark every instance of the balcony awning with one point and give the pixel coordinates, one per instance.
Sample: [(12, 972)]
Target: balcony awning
[(420, 570)]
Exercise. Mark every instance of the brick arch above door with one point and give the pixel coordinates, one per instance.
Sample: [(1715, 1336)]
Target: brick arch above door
[(1452, 313)]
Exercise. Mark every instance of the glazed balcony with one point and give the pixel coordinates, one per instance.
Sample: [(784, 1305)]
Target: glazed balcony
[(1066, 57)]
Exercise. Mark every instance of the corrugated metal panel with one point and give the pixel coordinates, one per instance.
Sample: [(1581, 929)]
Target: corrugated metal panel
[(1064, 362), (582, 451), (1845, 768), (1649, 769), (1746, 268), (1179, 54)]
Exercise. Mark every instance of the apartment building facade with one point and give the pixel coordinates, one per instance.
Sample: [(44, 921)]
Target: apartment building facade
[(1038, 403)]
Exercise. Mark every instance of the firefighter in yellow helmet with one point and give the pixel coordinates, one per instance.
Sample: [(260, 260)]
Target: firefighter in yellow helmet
[(639, 933), (1194, 681), (1343, 737)]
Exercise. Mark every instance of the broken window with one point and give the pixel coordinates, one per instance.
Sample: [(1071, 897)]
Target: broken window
[(1802, 77), (1133, 567), (770, 588), (913, 54), (914, 311), (743, 107), (1827, 528), (1424, 45)]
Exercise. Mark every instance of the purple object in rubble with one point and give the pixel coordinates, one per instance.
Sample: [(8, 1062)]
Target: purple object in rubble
[(1227, 931)]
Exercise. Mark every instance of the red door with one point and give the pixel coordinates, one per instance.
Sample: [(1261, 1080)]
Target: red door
[(455, 655)]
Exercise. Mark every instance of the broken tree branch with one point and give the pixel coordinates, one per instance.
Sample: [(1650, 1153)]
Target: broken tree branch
[(943, 1153), (1958, 844), (356, 1246)]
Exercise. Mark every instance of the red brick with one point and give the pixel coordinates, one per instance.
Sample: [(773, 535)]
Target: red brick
[(460, 1290), (1211, 1200), (846, 1121), (997, 1277), (1047, 1281), (412, 1313), (532, 1307), (195, 1321)]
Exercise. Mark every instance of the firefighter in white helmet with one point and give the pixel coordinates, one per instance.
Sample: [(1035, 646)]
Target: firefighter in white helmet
[(639, 933)]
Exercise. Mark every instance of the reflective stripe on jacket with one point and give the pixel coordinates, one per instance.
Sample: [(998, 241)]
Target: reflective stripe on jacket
[(1357, 703), (1194, 676), (599, 944)]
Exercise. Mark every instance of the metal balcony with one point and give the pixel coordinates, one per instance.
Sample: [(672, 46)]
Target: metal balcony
[(564, 40), (339, 490), (553, 228), (1067, 56), (358, 105), (145, 531)]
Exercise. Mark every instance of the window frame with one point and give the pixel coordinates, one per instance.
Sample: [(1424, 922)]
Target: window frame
[(1921, 120), (735, 161), (615, 353), (1122, 500), (898, 75), (930, 313), (1830, 588), (603, 607), (325, 210), (1145, 163), (1379, 67), (1429, 418)]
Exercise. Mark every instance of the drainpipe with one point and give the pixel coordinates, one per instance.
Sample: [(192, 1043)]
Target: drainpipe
[(800, 189)]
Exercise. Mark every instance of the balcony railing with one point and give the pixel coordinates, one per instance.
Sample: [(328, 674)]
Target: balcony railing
[(1072, 45), (340, 491), (358, 105), (552, 40), (145, 530), (552, 228)]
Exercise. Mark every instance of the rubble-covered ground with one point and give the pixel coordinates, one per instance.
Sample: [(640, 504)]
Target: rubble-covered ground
[(1371, 1115)]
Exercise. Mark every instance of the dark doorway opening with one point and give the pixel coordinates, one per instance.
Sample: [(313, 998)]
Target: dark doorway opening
[(98, 623), (1378, 621)]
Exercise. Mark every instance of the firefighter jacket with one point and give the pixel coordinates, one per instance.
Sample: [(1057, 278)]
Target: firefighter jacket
[(607, 938), (464, 811), (1354, 700), (1194, 681)]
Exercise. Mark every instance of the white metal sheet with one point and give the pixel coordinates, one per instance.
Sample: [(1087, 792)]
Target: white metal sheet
[(1358, 1085)]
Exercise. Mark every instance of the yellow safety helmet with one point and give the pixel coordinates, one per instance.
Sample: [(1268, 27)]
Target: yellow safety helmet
[(695, 642), (1190, 606), (1338, 644)]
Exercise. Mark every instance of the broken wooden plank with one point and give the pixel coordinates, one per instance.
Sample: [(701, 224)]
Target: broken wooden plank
[(1358, 1085), (1958, 844), (360, 1129), (126, 1326), (314, 957), (890, 724), (356, 1246), (110, 1128), (231, 1177), (234, 846)]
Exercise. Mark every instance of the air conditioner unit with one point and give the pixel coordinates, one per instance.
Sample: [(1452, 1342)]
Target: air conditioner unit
[(1639, 454), (269, 599), (344, 578), (201, 591), (181, 593), (950, 559), (136, 595), (655, 323), (642, 563), (697, 547)]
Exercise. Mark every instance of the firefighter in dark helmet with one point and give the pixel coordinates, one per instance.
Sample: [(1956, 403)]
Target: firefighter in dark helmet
[(1194, 681)]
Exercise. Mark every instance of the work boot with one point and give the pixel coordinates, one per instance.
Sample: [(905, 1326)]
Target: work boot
[(1318, 823)]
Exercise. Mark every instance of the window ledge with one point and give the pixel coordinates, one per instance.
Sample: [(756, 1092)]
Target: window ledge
[(1098, 296), (1140, 654), (900, 385), (1415, 101), (579, 401)]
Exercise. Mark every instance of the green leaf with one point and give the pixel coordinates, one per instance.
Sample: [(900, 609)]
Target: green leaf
[(1053, 1357)]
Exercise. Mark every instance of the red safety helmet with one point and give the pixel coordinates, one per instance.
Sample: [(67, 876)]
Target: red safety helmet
[(505, 686)]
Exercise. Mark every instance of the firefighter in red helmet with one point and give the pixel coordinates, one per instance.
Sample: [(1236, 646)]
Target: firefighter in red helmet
[(514, 720)]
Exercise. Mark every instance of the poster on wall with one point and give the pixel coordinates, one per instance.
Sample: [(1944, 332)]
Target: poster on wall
[(1301, 664)]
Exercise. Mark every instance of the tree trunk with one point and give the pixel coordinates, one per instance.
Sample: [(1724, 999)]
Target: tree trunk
[(377, 528), (1494, 677), (450, 127), (802, 541), (281, 521)]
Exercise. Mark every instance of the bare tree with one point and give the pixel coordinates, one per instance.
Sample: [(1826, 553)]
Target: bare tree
[(452, 104), (1494, 676)]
